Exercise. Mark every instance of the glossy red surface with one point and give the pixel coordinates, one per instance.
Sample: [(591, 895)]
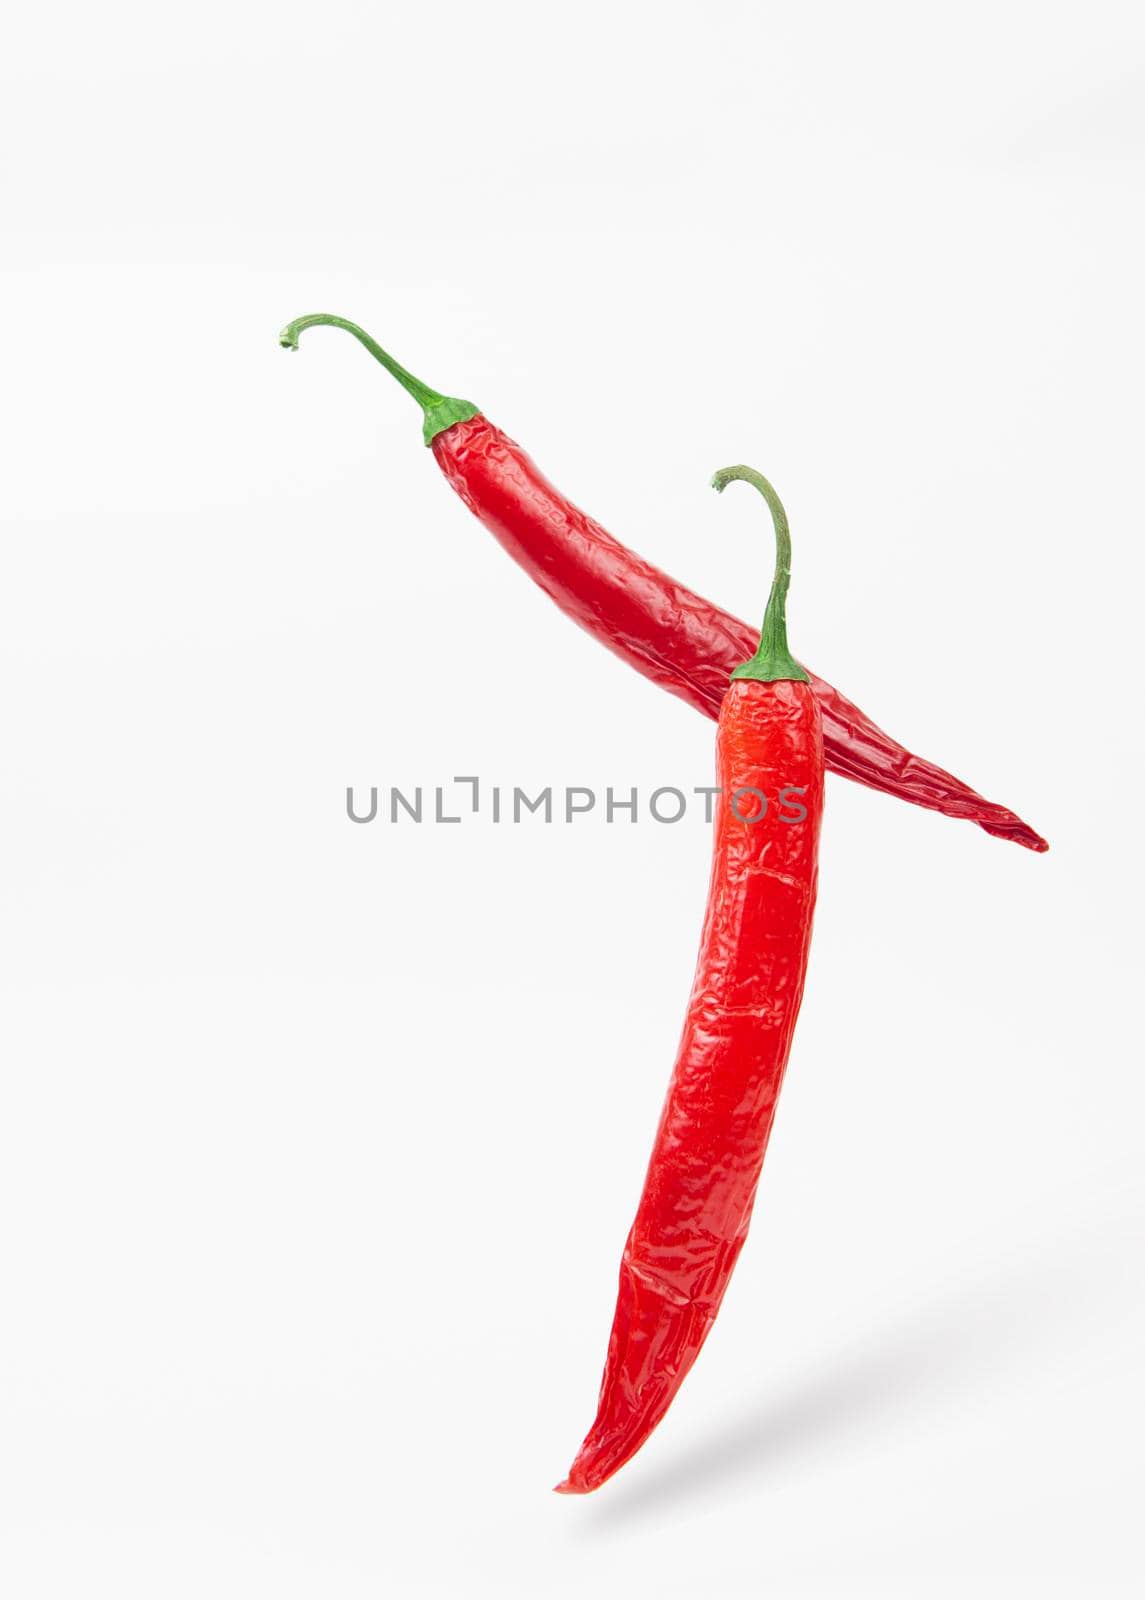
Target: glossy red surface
[(694, 1212), (675, 637)]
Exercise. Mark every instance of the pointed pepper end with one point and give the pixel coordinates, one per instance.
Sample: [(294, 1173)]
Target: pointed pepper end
[(1017, 832), (569, 1487)]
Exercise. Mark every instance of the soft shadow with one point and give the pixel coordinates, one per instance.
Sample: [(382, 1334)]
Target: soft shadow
[(950, 1344)]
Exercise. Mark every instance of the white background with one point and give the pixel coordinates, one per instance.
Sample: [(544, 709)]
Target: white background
[(318, 1143)]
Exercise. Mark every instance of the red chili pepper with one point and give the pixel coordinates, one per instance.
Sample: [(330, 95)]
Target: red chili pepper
[(671, 635), (693, 1215)]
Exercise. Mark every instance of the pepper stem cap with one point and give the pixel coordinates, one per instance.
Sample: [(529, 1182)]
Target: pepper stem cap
[(773, 661), (439, 411)]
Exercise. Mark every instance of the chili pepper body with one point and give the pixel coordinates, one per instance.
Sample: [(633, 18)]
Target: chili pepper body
[(693, 1215), (668, 633), (696, 1205)]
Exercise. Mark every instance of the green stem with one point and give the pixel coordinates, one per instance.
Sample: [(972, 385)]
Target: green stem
[(773, 661), (441, 411)]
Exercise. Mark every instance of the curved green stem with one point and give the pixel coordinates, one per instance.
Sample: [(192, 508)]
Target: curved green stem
[(773, 661), (440, 411)]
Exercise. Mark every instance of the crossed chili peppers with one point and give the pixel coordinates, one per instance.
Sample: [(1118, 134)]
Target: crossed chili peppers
[(777, 724)]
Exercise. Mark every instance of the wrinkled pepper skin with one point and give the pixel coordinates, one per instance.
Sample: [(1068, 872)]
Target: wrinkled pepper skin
[(678, 639), (694, 1212)]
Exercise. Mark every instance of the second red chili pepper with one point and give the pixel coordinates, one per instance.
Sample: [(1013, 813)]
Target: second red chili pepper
[(693, 1215)]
